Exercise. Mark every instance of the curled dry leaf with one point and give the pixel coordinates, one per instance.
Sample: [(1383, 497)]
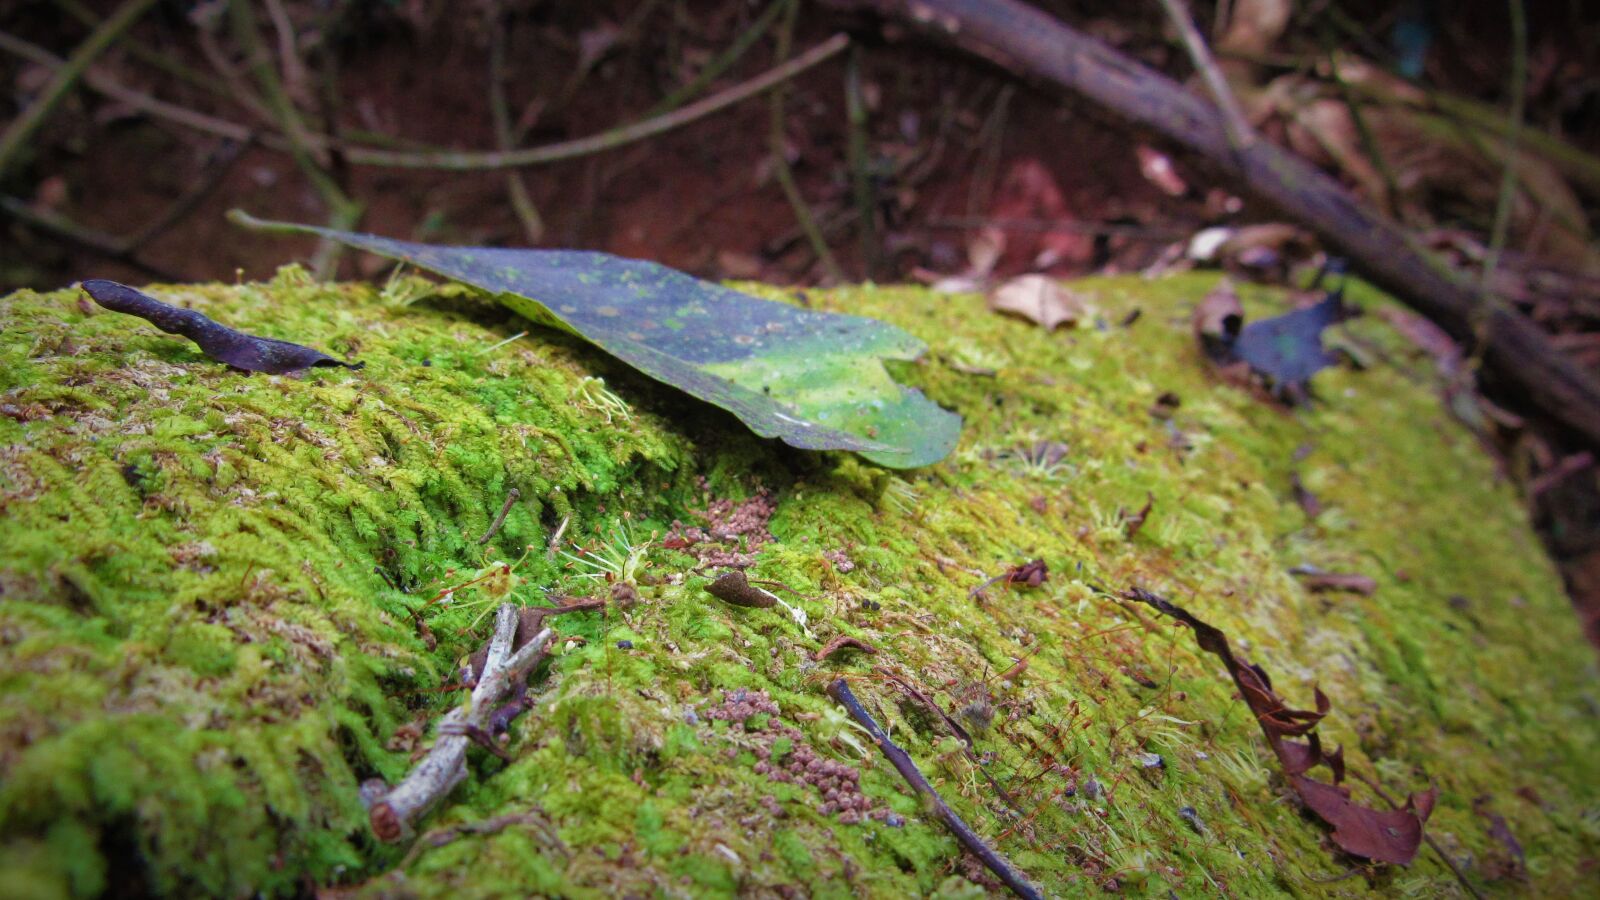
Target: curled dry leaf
[(732, 587), (842, 643), (1029, 574), (1039, 299), (1132, 522), (1391, 836), (218, 341)]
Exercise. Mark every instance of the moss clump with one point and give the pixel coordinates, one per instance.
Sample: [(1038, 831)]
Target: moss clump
[(207, 581)]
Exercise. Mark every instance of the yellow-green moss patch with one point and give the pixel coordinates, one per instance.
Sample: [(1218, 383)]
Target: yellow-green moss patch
[(206, 581)]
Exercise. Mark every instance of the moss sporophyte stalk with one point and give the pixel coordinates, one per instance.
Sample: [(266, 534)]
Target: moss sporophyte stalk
[(215, 617)]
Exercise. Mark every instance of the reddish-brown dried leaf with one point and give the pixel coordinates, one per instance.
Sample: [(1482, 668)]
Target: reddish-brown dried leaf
[(1030, 574), (1390, 836), (1320, 582), (1387, 836)]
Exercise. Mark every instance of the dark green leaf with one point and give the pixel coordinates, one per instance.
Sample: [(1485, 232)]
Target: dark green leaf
[(816, 380)]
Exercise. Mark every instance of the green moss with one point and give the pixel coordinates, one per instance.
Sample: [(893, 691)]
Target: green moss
[(207, 580)]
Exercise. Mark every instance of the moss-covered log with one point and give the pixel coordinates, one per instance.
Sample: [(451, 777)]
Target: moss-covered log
[(209, 585)]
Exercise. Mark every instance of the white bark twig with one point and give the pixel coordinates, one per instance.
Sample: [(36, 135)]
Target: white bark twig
[(445, 765)]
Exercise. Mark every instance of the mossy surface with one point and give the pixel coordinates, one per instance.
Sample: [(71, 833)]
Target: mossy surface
[(207, 578)]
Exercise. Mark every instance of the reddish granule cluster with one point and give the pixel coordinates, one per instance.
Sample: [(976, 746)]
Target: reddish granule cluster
[(739, 705), (841, 561), (838, 784), (734, 531)]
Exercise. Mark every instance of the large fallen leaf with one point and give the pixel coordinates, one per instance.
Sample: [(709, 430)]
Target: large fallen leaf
[(815, 380)]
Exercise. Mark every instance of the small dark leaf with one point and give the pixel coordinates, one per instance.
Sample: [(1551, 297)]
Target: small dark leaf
[(221, 343), (1288, 348)]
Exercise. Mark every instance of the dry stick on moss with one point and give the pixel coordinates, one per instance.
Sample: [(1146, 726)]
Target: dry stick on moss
[(55, 90), (1037, 47), (445, 765), (494, 527), (839, 690)]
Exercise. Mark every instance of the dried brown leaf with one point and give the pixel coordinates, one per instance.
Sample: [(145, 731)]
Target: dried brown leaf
[(1390, 836), (1039, 299)]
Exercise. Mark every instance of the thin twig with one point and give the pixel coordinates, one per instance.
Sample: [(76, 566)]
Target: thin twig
[(145, 53), (839, 690), (860, 174), (21, 129), (445, 765), (714, 69), (104, 84), (217, 168), (454, 160), (1508, 181), (778, 148), (65, 230), (516, 190), (494, 527), (343, 212), (1240, 134), (606, 140)]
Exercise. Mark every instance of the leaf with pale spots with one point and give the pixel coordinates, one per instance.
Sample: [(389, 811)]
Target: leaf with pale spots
[(815, 380)]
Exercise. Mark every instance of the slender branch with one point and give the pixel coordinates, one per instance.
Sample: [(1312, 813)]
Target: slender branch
[(1508, 180), (65, 230), (714, 69), (104, 84), (860, 173), (606, 140), (778, 146), (521, 201), (343, 212), (1240, 134), (22, 128), (839, 690), (452, 159), (147, 54)]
